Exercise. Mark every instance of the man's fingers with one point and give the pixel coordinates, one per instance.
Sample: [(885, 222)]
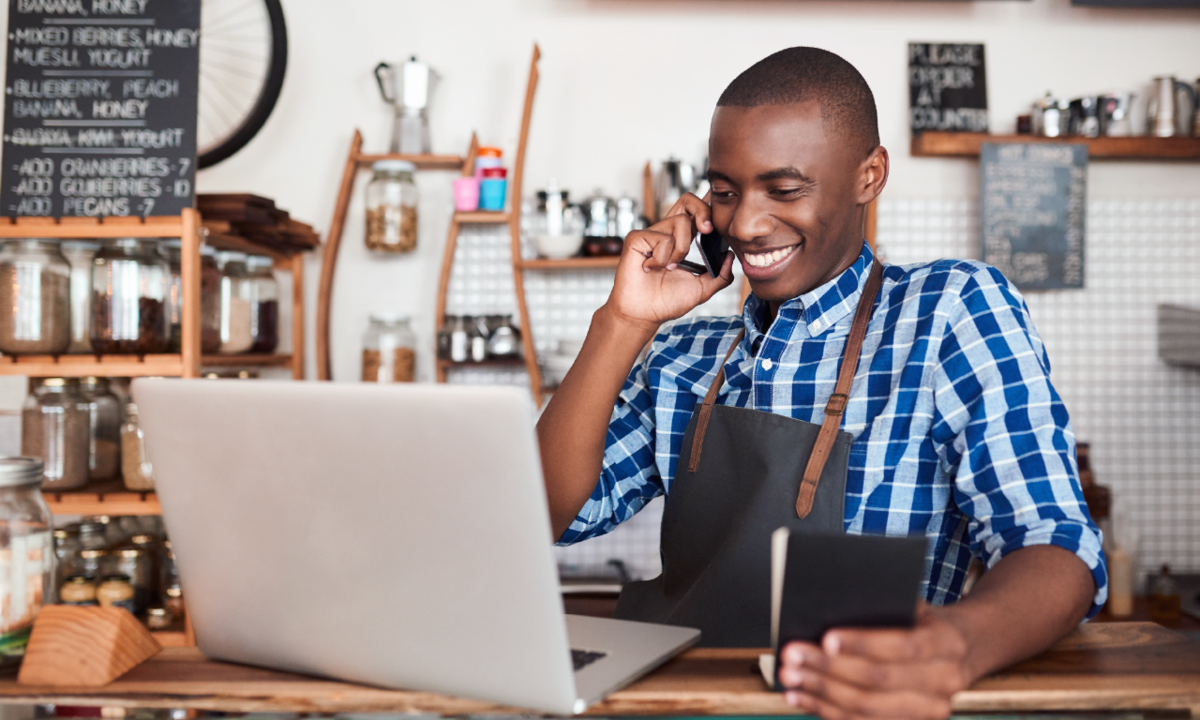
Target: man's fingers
[(694, 208), (835, 699), (895, 645)]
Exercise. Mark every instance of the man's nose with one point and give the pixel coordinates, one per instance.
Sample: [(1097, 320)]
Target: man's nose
[(750, 220)]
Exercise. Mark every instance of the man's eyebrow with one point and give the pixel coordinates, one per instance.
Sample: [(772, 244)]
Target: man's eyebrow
[(787, 173)]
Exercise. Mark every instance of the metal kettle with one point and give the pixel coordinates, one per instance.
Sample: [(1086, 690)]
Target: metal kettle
[(1167, 118), (410, 128)]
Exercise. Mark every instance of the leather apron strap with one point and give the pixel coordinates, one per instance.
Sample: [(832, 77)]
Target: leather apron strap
[(833, 409)]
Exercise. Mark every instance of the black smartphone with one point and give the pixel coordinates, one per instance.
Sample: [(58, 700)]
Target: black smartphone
[(712, 249)]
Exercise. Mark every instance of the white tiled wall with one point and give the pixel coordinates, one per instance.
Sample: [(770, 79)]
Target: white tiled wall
[(1141, 416)]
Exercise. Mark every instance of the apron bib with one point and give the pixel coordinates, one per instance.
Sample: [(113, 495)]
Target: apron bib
[(741, 475)]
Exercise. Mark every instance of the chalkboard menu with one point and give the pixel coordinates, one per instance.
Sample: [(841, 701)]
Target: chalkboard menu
[(947, 87), (1033, 212), (100, 110)]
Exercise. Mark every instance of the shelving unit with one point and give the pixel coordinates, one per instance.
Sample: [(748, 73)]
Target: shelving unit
[(966, 145)]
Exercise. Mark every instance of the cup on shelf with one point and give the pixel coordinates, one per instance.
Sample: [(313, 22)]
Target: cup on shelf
[(466, 194), (492, 189)]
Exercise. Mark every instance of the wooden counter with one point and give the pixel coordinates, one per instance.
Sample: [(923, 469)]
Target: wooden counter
[(1127, 666)]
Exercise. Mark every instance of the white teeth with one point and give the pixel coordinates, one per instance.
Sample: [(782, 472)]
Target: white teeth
[(768, 258)]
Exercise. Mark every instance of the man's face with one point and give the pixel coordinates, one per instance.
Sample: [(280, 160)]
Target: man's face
[(784, 196)]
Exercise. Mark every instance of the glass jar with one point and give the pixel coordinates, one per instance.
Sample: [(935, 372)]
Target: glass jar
[(236, 311), (91, 564), (66, 552), (35, 295), (392, 208), (93, 535), (264, 304), (136, 564), (54, 429), (26, 555), (130, 282), (104, 428), (389, 350), (135, 465), (210, 296), (171, 590), (80, 255)]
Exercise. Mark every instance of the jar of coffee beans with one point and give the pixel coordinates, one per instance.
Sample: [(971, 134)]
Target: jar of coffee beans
[(389, 350), (130, 284), (392, 208), (35, 298)]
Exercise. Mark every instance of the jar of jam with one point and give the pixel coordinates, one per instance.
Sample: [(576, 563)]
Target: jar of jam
[(78, 590), (116, 591)]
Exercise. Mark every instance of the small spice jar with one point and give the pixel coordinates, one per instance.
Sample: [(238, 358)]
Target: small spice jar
[(137, 564), (92, 563), (130, 282), (210, 296), (35, 298), (80, 255), (104, 428), (158, 618), (236, 310), (66, 551), (389, 350), (26, 555), (116, 591), (264, 304), (54, 429), (392, 208), (78, 590), (135, 465)]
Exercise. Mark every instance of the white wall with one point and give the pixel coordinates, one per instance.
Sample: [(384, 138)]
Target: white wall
[(624, 81)]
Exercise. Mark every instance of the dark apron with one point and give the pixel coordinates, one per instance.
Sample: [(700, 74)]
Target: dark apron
[(751, 473)]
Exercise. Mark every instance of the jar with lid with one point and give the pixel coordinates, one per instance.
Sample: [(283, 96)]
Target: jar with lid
[(80, 255), (92, 563), (54, 429), (115, 590), (78, 590), (135, 465), (236, 310), (389, 350), (210, 296), (264, 304), (35, 295), (26, 555), (66, 551), (130, 282), (104, 428), (392, 208), (136, 564)]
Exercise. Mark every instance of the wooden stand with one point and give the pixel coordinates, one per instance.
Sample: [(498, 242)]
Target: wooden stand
[(84, 646)]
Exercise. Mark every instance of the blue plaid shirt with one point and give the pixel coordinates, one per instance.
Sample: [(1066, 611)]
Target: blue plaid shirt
[(958, 433)]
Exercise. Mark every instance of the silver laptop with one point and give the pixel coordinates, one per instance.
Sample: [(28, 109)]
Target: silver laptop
[(397, 536)]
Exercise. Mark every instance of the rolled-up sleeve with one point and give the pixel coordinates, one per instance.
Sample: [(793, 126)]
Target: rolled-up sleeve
[(1003, 432)]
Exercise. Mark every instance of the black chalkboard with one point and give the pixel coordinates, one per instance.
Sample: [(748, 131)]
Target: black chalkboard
[(947, 86), (100, 107), (1033, 212)]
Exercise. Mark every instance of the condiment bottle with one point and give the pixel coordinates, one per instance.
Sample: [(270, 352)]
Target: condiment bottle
[(460, 340), (116, 591), (136, 467), (478, 334), (1164, 598), (78, 590)]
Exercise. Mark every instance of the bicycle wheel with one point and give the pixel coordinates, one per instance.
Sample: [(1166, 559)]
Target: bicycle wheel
[(243, 56)]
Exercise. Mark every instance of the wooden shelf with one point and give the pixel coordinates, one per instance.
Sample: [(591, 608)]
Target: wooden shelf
[(251, 360), (91, 365), (167, 226), (236, 243), (423, 162), (951, 144), (171, 638), (110, 498), (577, 263), (480, 217), (469, 365)]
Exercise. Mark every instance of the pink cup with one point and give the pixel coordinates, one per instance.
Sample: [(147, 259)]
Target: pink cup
[(466, 194)]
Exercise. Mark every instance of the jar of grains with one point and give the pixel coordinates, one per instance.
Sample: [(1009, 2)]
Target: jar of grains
[(54, 429), (389, 350), (135, 464), (35, 298), (104, 428), (26, 555), (236, 311), (392, 208), (264, 303), (210, 297), (79, 255), (130, 282)]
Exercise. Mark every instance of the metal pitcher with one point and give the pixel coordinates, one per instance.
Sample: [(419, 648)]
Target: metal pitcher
[(1165, 112), (410, 128)]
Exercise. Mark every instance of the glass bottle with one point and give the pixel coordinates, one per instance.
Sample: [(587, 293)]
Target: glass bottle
[(389, 350), (478, 334), (392, 208), (26, 555), (130, 282), (210, 296), (135, 465), (236, 311), (264, 303), (66, 552), (104, 429), (80, 255), (54, 429), (460, 340), (35, 298)]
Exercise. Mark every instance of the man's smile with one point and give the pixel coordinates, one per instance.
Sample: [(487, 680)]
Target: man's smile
[(767, 260)]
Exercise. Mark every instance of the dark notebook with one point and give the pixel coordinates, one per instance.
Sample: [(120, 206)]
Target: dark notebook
[(820, 582)]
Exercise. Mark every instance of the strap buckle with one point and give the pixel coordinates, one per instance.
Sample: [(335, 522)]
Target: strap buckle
[(837, 404)]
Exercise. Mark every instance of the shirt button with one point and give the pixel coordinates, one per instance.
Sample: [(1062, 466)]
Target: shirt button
[(817, 325), (767, 364)]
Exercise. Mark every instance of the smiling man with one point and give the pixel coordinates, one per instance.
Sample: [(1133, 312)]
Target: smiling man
[(933, 374)]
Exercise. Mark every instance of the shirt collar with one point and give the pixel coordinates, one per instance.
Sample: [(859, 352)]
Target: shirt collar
[(819, 309)]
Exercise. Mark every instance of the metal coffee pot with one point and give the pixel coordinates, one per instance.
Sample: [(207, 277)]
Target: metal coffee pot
[(1167, 117), (1051, 117), (601, 213), (1113, 112), (674, 179), (410, 128)]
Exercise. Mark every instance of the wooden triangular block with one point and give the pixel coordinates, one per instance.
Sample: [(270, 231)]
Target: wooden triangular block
[(84, 646)]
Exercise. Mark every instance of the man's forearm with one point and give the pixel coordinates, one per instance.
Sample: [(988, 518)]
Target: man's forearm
[(572, 430), (1028, 601)]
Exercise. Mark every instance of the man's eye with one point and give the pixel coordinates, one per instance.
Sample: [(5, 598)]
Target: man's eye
[(786, 192), (722, 194)]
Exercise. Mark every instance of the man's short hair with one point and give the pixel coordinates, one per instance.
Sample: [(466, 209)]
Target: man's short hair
[(801, 74)]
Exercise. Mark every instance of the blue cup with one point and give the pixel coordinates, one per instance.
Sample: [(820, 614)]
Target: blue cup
[(491, 193)]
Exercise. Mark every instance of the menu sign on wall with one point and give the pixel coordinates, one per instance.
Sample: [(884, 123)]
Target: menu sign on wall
[(947, 87), (1033, 212), (100, 107)]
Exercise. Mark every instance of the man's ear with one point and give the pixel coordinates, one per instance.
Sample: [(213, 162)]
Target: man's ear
[(872, 175)]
